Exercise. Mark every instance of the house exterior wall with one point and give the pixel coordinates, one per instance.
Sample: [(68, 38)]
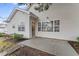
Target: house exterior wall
[(19, 18), (68, 14)]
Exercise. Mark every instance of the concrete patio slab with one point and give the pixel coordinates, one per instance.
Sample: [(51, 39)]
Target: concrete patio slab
[(63, 48), (52, 46)]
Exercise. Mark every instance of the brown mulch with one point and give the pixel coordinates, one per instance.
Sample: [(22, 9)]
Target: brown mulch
[(29, 51), (11, 40), (14, 41), (75, 45)]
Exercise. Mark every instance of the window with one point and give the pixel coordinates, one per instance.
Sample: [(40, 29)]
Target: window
[(52, 26), (43, 26), (39, 26), (46, 26), (56, 26), (21, 28)]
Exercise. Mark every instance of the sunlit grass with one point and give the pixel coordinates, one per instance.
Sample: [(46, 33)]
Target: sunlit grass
[(5, 45)]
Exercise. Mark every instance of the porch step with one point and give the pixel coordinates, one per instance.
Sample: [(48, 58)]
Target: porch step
[(10, 50)]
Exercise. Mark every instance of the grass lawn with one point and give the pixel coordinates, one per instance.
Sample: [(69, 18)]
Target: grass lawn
[(5, 45)]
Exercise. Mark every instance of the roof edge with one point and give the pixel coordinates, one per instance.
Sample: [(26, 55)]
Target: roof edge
[(14, 11)]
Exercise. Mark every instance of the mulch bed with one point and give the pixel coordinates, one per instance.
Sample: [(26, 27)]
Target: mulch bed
[(14, 41), (29, 51), (75, 45), (11, 40)]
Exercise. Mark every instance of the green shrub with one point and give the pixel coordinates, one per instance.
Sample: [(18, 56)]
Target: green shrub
[(78, 39), (17, 37), (11, 36), (2, 34)]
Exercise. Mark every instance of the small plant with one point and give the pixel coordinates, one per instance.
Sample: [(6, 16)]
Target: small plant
[(17, 37), (78, 39), (2, 34)]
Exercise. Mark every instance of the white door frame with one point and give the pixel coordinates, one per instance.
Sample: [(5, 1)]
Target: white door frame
[(36, 19)]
